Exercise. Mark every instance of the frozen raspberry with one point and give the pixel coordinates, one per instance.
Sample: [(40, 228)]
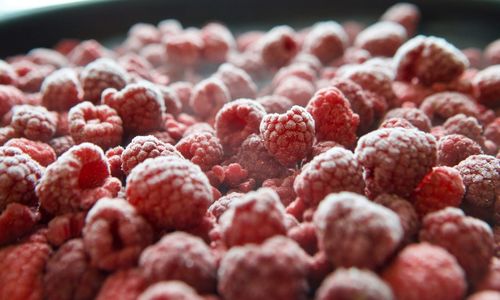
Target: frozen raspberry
[(171, 99), (19, 174), (466, 126), (7, 133), (115, 235), (289, 136), (141, 35), (21, 270), (414, 115), (86, 52), (395, 123), (276, 269), (40, 152), (474, 56), (137, 67), (236, 120), (208, 97), (492, 53), (33, 122), (395, 160), (114, 156), (441, 106), (410, 93), (124, 284), (322, 147), (203, 149), (469, 239), (65, 227), (253, 218), (61, 144), (99, 75), (326, 40), (199, 127), (170, 192), (492, 131), (284, 188), (487, 84), (333, 171), (222, 204), (69, 274), (140, 106), (355, 232), (430, 60), (218, 41), (76, 180), (142, 148), (485, 295), (180, 256), (333, 117), (278, 46), (301, 70), (166, 290), (62, 123), (9, 97), (99, 125), (237, 81), (354, 283), (425, 272), (298, 90), (481, 177), (251, 62), (16, 221), (491, 280), (8, 75), (185, 48), (440, 188), (305, 235), (275, 103), (44, 56), (31, 76), (61, 90), (247, 40), (406, 213), (382, 38), (406, 14)]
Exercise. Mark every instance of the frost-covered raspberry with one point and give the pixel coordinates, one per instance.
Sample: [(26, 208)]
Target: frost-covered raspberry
[(395, 123), (170, 192), (326, 40), (123, 284), (173, 289), (61, 144), (140, 106), (114, 157), (282, 186), (61, 90), (492, 53), (199, 128), (355, 232), (86, 52), (208, 97), (202, 148), (487, 85), (237, 81), (406, 14), (218, 41), (76, 180), (70, 275), (481, 177), (406, 212), (99, 125), (33, 122), (382, 38), (253, 218), (180, 256), (305, 235), (236, 120), (275, 104), (115, 234), (466, 126), (297, 89), (17, 220), (172, 101), (441, 106), (221, 205), (7, 133), (430, 60), (8, 75), (301, 70), (492, 131), (40, 152), (333, 171), (491, 280), (278, 46), (142, 148), (99, 75), (184, 49), (425, 272), (410, 93), (289, 136), (440, 188), (19, 174), (354, 283), (414, 115), (395, 160), (276, 269), (65, 227), (484, 295)]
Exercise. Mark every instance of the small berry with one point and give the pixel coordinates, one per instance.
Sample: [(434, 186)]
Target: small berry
[(203, 149), (99, 75), (42, 153), (86, 52), (326, 40), (208, 97), (487, 84), (283, 187), (406, 14), (485, 295), (218, 41), (492, 131), (123, 284), (8, 75), (396, 123), (185, 48), (382, 38), (492, 53), (170, 290), (298, 90), (466, 126), (278, 46), (61, 90), (33, 122), (414, 115), (64, 227), (7, 133), (171, 99), (16, 221), (275, 104), (406, 212), (491, 280), (441, 106), (237, 81), (9, 97), (61, 144), (221, 205), (301, 70)]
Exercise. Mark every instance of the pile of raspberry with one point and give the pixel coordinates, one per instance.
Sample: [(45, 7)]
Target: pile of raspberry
[(338, 161)]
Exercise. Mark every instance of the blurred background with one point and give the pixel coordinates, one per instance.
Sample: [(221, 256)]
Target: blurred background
[(26, 24)]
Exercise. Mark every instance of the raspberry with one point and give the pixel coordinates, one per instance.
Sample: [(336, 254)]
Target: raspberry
[(441, 106), (62, 123), (140, 106), (247, 40), (208, 97), (7, 133), (44, 56), (301, 70), (218, 41), (492, 53), (305, 235), (298, 90), (406, 212), (354, 283), (8, 75), (470, 240), (19, 174), (9, 97), (430, 60), (124, 284), (466, 126), (99, 75), (76, 180), (180, 256), (333, 117), (487, 84), (99, 125), (61, 90), (440, 188), (410, 93), (237, 81), (222, 204), (395, 160), (203, 149), (16, 221), (199, 127), (253, 218), (355, 232), (33, 122), (333, 171), (114, 157), (170, 290), (170, 192), (61, 144), (491, 280), (86, 52), (236, 120), (65, 227), (142, 148), (185, 48), (326, 40), (484, 295), (382, 38), (275, 103), (278, 47), (395, 123), (137, 67), (406, 14), (492, 131), (276, 269), (171, 99), (21, 270), (42, 153), (414, 115), (481, 177), (69, 274), (288, 137), (142, 34), (425, 272), (283, 187), (31, 76)]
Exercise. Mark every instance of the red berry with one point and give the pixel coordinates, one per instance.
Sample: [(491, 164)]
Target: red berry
[(414, 115), (454, 148), (485, 295), (42, 153), (492, 53), (7, 133), (33, 122), (301, 70), (99, 75), (8, 75), (466, 126), (208, 97), (406, 14), (326, 40), (282, 186), (441, 106), (487, 84), (61, 144), (16, 220), (9, 97), (492, 131), (114, 157), (218, 41), (298, 90), (395, 123), (491, 280), (185, 48), (222, 204), (275, 103), (203, 149), (278, 46), (65, 227), (170, 290), (171, 99), (382, 38), (86, 52), (61, 90), (410, 93), (124, 284), (305, 235), (237, 81)]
